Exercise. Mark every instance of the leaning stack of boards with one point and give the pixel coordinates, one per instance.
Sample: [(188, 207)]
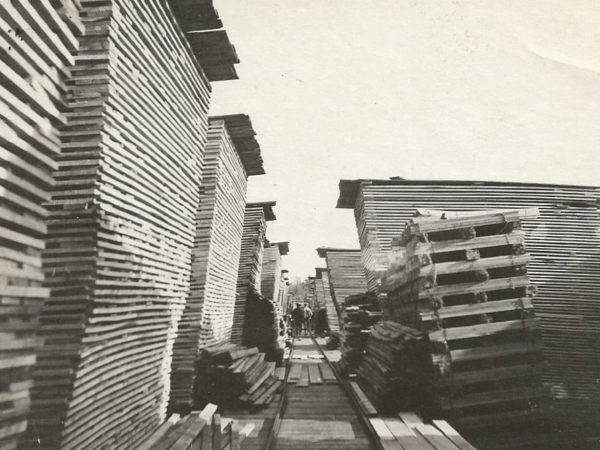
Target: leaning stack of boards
[(394, 366), (235, 377), (208, 315), (463, 282), (359, 312), (256, 216), (198, 430), (408, 431), (38, 42)]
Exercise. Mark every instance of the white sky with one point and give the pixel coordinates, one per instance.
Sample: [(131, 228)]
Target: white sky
[(487, 90)]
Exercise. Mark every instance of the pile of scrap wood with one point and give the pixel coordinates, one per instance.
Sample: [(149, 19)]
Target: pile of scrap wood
[(261, 326), (234, 377), (392, 368), (359, 312), (462, 280), (199, 429)]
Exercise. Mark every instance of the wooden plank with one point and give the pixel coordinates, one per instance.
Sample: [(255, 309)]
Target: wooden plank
[(453, 435), (314, 375), (387, 439), (327, 373), (303, 381), (405, 436), (435, 437), (365, 404), (295, 373)]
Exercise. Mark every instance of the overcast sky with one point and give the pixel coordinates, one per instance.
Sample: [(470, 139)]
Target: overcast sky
[(487, 90)]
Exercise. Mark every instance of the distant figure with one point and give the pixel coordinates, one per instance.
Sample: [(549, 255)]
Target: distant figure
[(297, 319), (307, 318)]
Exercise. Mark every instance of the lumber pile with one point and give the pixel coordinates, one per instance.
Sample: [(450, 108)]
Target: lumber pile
[(208, 315), (234, 377), (359, 313), (346, 273), (462, 280), (394, 369), (323, 296), (261, 326), (256, 216), (564, 244), (37, 42), (271, 278), (407, 430), (121, 225), (200, 429)]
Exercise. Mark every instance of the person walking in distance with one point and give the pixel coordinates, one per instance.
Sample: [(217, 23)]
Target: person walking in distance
[(297, 319), (307, 318)]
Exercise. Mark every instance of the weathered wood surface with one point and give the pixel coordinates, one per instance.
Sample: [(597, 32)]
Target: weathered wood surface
[(38, 40)]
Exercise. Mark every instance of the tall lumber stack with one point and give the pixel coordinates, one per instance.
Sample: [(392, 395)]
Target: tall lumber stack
[(283, 291), (323, 294), (256, 216), (121, 228), (564, 243), (271, 277), (346, 273), (463, 282), (231, 156), (38, 43)]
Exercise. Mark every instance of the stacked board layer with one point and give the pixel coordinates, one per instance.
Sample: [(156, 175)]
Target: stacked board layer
[(270, 277), (324, 299), (208, 313), (256, 216), (463, 282), (564, 243), (38, 41), (346, 273), (121, 229)]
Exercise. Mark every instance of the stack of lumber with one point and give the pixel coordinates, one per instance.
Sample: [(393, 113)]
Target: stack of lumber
[(270, 275), (408, 431), (256, 216), (121, 226), (234, 377), (200, 429), (564, 242), (393, 368), (462, 280), (346, 273), (261, 326), (208, 313), (323, 297), (38, 41), (359, 313)]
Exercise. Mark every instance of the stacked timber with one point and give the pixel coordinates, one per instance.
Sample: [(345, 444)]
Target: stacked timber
[(256, 216), (38, 43), (564, 243), (261, 326), (234, 377), (462, 280), (270, 277), (200, 429), (333, 316), (359, 313), (346, 273), (208, 313), (393, 369), (121, 227)]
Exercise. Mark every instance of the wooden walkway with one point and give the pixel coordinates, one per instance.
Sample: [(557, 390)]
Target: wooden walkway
[(318, 415)]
